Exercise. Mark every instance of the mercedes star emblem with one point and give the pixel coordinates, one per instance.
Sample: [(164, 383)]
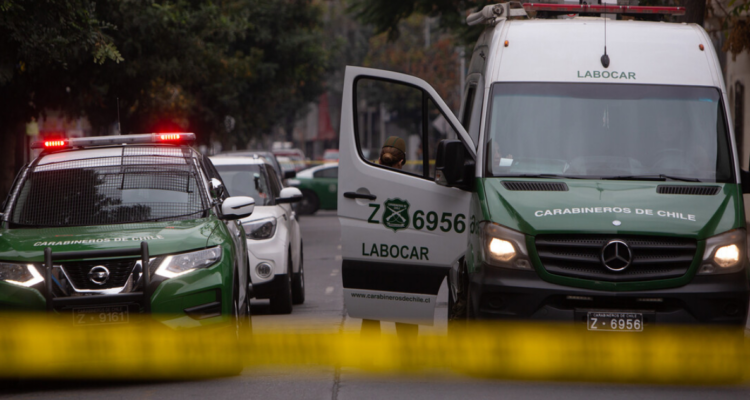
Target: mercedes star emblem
[(616, 223), (616, 255), (99, 275)]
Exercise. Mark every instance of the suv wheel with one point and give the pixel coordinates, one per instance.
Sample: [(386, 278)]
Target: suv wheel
[(281, 302)]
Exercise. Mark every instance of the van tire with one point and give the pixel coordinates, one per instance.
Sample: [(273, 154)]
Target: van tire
[(309, 204), (457, 306)]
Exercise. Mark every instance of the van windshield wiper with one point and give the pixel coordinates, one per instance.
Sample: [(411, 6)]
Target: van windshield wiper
[(658, 177), (549, 176)]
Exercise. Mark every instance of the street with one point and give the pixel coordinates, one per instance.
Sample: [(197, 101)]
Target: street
[(323, 312)]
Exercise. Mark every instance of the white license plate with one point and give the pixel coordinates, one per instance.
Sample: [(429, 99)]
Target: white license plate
[(615, 321), (100, 315)]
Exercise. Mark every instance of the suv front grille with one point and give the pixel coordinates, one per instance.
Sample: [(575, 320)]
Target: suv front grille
[(580, 256), (78, 273)]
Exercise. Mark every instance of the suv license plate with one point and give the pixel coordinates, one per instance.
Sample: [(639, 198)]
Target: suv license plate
[(615, 321), (100, 315)]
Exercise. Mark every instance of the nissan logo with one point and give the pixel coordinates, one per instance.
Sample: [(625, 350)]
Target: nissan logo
[(99, 275), (616, 255)]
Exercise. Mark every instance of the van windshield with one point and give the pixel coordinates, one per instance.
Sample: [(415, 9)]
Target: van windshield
[(608, 131)]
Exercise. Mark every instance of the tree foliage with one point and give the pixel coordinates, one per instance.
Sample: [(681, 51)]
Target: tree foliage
[(173, 64), (733, 18), (437, 63)]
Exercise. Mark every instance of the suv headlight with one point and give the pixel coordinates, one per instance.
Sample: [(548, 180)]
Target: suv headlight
[(180, 264), (724, 253), (260, 229), (20, 274), (503, 247)]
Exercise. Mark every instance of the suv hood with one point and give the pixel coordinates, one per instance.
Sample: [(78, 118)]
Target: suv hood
[(27, 244), (619, 207)]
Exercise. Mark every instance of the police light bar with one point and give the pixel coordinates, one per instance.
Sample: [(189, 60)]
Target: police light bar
[(602, 9), (92, 141)]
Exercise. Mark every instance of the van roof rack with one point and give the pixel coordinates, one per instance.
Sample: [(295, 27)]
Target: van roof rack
[(562, 9), (493, 13)]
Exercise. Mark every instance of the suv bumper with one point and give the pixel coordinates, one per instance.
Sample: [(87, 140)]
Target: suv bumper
[(510, 294), (267, 289)]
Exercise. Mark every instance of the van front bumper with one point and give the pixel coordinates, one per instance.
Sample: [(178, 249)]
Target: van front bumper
[(512, 294)]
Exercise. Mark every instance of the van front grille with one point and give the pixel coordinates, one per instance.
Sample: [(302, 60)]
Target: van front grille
[(580, 256), (689, 190), (536, 186)]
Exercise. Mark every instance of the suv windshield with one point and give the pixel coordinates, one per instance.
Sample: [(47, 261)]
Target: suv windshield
[(607, 131), (247, 180), (110, 186)]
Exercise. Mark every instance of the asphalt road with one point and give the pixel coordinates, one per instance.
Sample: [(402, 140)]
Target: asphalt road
[(323, 311)]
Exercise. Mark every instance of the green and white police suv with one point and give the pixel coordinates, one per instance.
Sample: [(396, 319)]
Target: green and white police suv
[(84, 218), (577, 184)]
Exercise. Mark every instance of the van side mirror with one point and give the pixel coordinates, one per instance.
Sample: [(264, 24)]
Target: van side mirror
[(745, 180), (454, 166), (289, 174)]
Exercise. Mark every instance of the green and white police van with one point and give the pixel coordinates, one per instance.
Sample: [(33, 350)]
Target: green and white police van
[(585, 179), (87, 215)]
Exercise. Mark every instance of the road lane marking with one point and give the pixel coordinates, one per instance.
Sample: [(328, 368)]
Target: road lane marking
[(329, 290), (337, 258), (334, 272)]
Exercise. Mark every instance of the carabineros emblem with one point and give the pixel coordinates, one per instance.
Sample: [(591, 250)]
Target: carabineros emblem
[(396, 214)]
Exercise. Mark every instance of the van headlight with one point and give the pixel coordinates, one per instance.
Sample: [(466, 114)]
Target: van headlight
[(260, 229), (724, 253), (20, 274), (180, 264), (503, 247)]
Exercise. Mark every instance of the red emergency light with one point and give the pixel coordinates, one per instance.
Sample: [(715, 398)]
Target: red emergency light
[(169, 136), (602, 9), (55, 144)]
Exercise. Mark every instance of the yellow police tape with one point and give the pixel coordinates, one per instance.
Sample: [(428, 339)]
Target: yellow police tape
[(44, 347)]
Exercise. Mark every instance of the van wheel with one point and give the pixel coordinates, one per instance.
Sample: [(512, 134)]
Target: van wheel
[(281, 302), (298, 281), (309, 203), (457, 310)]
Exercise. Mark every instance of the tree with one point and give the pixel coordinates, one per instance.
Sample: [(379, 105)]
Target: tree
[(183, 64), (37, 37)]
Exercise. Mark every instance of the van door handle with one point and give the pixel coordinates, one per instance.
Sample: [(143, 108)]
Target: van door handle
[(355, 195)]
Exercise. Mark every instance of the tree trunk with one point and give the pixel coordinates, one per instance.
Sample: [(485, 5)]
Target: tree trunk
[(695, 12), (9, 157)]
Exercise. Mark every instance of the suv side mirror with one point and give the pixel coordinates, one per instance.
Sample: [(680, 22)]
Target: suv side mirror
[(237, 207), (289, 195), (745, 180), (289, 174), (453, 165)]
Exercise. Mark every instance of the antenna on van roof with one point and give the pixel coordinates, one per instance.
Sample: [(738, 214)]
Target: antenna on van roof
[(605, 57)]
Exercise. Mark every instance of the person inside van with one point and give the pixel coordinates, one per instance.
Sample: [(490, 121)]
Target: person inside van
[(393, 153)]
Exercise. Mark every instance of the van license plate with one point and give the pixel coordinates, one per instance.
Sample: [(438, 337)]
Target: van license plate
[(615, 321), (100, 315)]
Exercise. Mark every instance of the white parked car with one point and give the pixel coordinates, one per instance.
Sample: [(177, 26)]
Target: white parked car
[(274, 243)]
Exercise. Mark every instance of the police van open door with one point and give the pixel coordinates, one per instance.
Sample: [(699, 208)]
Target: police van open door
[(401, 231)]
